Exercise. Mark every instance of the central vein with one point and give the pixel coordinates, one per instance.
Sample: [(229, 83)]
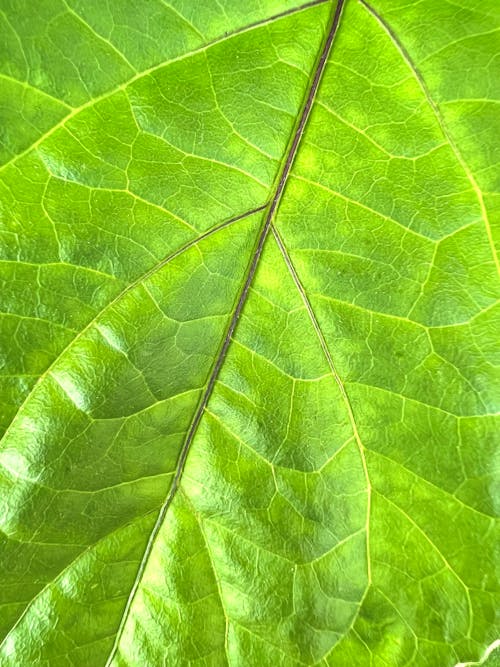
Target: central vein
[(252, 268)]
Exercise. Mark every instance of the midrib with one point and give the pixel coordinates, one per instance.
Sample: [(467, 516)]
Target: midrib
[(279, 186)]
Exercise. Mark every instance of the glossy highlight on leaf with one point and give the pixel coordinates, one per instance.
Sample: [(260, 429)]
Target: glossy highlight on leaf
[(249, 333)]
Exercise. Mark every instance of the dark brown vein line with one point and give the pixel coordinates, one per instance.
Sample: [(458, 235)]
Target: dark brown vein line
[(326, 351), (333, 369), (150, 272), (270, 19), (290, 156)]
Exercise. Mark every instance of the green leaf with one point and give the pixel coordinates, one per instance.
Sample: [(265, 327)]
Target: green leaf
[(249, 332)]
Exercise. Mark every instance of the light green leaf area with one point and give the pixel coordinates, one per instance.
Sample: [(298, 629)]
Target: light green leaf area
[(249, 333)]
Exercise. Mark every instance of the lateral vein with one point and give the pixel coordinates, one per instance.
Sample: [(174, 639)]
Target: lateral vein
[(340, 384), (441, 122), (184, 56), (138, 281)]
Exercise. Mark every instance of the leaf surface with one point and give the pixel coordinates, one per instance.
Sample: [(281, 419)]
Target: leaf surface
[(249, 333)]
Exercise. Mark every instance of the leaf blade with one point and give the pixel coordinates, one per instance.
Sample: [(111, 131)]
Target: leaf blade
[(353, 393)]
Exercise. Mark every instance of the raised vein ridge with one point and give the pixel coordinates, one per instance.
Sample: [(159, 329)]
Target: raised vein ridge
[(254, 262)]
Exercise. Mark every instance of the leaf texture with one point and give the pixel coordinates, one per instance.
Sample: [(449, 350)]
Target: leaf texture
[(249, 333)]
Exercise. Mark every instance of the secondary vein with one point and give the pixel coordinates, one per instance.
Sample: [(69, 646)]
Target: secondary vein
[(441, 122), (126, 289), (342, 389)]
